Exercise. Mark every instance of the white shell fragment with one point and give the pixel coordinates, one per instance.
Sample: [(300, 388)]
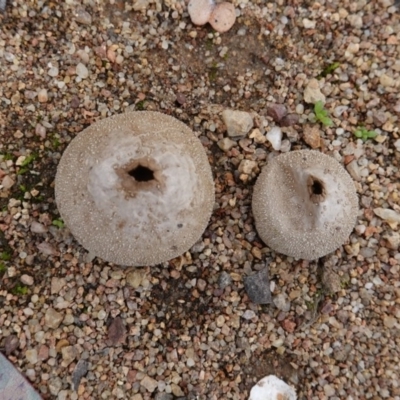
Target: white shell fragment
[(272, 388), (304, 204), (200, 11), (135, 189), (223, 17)]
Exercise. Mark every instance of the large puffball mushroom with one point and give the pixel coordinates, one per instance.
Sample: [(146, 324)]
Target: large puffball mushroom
[(272, 388), (200, 11), (223, 17), (135, 189), (304, 204)]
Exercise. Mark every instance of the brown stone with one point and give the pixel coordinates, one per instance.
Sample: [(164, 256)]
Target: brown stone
[(311, 136), (288, 325)]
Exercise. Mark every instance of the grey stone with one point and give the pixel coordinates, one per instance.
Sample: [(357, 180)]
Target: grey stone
[(176, 390), (80, 371), (354, 170), (149, 384), (289, 120), (379, 118), (52, 318), (27, 280), (83, 17), (55, 386), (276, 112), (224, 280), (69, 353), (258, 288), (226, 144), (135, 277), (282, 302), (164, 396), (331, 280), (11, 343), (7, 182), (238, 123), (367, 252), (57, 284), (392, 240), (312, 92), (32, 356), (388, 215), (36, 227)]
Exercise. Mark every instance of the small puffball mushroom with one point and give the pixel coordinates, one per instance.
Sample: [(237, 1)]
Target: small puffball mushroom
[(272, 388), (304, 204), (135, 189), (200, 11), (223, 17)]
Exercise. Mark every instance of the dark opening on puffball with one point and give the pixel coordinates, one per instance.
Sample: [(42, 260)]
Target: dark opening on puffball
[(135, 189), (304, 204)]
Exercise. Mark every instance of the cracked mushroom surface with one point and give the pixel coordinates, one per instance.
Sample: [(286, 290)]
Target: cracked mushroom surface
[(135, 189), (304, 204)]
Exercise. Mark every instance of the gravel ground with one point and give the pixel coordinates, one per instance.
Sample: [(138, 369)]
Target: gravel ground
[(80, 328)]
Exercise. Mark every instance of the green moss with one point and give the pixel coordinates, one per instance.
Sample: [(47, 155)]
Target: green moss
[(140, 105), (8, 156), (3, 268), (55, 142), (5, 256), (19, 290), (212, 73), (25, 165)]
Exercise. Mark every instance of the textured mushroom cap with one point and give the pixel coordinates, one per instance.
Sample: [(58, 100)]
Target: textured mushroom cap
[(200, 11), (135, 189), (304, 204), (223, 17)]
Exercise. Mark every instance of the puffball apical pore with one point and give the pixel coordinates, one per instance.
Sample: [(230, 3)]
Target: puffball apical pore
[(135, 189), (304, 204)]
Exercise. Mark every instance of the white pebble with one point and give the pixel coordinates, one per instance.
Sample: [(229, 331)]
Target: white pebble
[(42, 96), (27, 280), (274, 136), (200, 11), (308, 24), (82, 71), (300, 109), (53, 71), (249, 314)]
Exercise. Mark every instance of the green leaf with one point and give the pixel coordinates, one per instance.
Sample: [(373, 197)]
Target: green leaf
[(22, 171), (28, 160), (329, 69), (364, 134), (59, 223), (326, 121), (318, 107)]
